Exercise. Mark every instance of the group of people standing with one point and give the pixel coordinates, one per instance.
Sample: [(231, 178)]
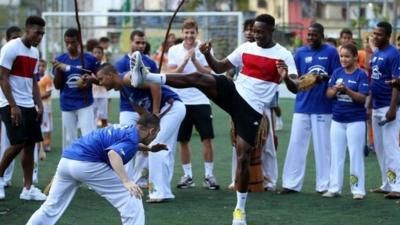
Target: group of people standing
[(159, 109)]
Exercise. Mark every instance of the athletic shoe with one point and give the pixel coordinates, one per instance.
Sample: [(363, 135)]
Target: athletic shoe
[(239, 217), (185, 182), (393, 195), (379, 190), (358, 197), (2, 192), (138, 70), (8, 184), (285, 191), (32, 194), (210, 182), (330, 194), (278, 124), (231, 186)]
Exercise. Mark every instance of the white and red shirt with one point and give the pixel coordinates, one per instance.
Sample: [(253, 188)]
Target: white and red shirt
[(23, 64), (259, 79), (189, 96)]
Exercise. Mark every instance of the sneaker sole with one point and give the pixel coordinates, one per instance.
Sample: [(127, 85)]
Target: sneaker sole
[(186, 186)]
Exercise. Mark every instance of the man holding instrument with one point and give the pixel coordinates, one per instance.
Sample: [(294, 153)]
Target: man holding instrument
[(76, 102)]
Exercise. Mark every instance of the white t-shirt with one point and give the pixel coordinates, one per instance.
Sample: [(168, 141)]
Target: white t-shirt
[(189, 96), (23, 64), (259, 79)]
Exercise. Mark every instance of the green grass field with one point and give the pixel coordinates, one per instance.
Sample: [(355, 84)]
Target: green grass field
[(198, 206)]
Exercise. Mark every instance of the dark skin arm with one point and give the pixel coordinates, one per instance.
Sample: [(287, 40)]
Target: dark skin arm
[(218, 66), (38, 100), (356, 96), (6, 88), (59, 69), (391, 113), (289, 79)]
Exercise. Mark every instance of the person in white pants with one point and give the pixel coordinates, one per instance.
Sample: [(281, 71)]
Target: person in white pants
[(385, 64), (128, 115), (171, 113), (348, 87), (97, 160), (76, 103), (312, 115)]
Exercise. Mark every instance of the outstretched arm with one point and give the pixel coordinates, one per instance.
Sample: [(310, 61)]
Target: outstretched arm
[(218, 66), (118, 167), (289, 79)]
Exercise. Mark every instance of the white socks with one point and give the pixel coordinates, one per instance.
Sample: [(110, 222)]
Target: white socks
[(241, 200), (187, 169), (158, 78), (208, 168)]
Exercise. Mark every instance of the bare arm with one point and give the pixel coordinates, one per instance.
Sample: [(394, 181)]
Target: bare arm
[(155, 90), (45, 95), (331, 92), (391, 113), (118, 167), (218, 66), (37, 98), (289, 79), (199, 66), (59, 69), (6, 88)]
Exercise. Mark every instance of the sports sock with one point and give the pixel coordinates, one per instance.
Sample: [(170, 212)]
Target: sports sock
[(208, 168), (187, 169), (241, 200), (158, 78)]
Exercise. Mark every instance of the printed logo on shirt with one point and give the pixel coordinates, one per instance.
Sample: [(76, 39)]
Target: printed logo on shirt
[(122, 152), (72, 80), (308, 59), (317, 69), (376, 74), (322, 57)]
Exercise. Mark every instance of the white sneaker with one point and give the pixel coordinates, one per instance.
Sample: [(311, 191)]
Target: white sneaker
[(138, 70), (358, 197), (278, 123), (32, 194), (2, 192), (330, 194), (239, 217)]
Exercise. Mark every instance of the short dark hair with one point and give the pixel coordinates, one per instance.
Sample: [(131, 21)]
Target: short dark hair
[(385, 26), (136, 33), (107, 68), (248, 23), (265, 18), (318, 26), (35, 20), (331, 40), (42, 61), (11, 30), (91, 43), (149, 120), (104, 39), (346, 31), (98, 47), (189, 24), (71, 32), (351, 47)]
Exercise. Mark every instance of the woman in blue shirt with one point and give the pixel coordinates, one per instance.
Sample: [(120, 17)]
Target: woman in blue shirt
[(348, 89)]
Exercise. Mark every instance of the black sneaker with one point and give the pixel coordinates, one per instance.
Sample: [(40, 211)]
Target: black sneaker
[(211, 183), (185, 182)]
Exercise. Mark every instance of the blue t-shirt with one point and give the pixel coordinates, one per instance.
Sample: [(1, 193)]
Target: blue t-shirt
[(384, 66), (94, 147), (143, 98), (320, 61), (344, 109), (71, 97)]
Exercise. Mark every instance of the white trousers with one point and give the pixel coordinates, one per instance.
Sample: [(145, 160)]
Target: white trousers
[(5, 143), (161, 164), (131, 118), (72, 120), (351, 135), (268, 157), (303, 125), (386, 144), (101, 178), (100, 108)]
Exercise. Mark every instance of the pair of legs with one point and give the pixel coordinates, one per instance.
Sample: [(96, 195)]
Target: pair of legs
[(303, 126), (199, 116), (98, 176), (72, 120), (351, 136), (387, 149), (4, 145)]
